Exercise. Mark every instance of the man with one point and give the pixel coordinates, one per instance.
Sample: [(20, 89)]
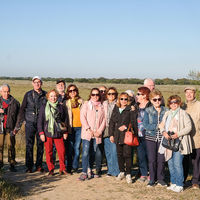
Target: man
[(60, 87), (102, 90), (193, 109), (9, 109), (29, 111)]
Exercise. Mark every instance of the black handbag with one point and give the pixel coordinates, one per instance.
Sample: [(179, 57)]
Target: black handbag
[(172, 144)]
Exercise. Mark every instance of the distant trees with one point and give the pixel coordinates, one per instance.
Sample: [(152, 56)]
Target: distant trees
[(194, 75)]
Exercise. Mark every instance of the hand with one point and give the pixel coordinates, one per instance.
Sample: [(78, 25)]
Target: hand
[(122, 128), (91, 132), (42, 137), (174, 136), (65, 135), (15, 131), (1, 110), (112, 139), (165, 134), (132, 108)]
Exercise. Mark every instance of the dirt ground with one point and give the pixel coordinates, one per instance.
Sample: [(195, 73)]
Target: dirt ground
[(36, 186)]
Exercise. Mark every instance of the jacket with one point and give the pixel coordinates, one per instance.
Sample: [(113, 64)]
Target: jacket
[(184, 130), (118, 119), (88, 120), (42, 123), (150, 121), (12, 113)]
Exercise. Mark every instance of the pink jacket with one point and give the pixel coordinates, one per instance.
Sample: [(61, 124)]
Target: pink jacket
[(88, 118)]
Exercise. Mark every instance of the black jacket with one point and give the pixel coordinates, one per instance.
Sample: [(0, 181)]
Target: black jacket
[(12, 113), (125, 118), (42, 123)]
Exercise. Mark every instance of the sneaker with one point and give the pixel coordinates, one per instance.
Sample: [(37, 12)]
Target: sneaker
[(63, 172), (162, 183), (128, 178), (120, 176), (178, 189), (51, 173), (142, 178), (12, 168), (40, 169), (108, 175), (29, 170), (171, 187), (195, 186), (151, 184), (83, 177), (90, 175)]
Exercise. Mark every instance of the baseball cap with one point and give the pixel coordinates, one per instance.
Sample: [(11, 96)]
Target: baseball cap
[(60, 81), (36, 77), (190, 88)]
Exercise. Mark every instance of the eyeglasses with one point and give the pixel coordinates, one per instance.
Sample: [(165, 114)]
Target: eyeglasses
[(37, 82), (95, 95), (102, 91), (159, 99), (138, 94), (111, 93), (74, 90), (174, 102), (125, 99)]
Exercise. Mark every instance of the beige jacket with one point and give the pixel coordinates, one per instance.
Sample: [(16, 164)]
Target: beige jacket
[(193, 109), (184, 129)]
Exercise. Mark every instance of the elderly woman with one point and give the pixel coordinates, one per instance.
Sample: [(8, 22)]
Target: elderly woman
[(142, 103), (119, 123), (109, 147), (152, 117), (50, 117), (177, 121), (93, 124), (72, 145)]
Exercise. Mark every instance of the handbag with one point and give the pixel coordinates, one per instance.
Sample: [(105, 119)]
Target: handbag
[(172, 144), (130, 138)]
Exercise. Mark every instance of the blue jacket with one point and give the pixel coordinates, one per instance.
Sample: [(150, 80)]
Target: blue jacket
[(150, 121)]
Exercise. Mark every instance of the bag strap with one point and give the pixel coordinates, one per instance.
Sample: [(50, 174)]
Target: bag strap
[(130, 128)]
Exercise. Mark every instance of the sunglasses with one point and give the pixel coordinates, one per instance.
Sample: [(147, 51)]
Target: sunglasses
[(125, 99), (159, 99), (174, 102), (111, 93), (95, 95), (138, 94), (74, 90), (102, 91)]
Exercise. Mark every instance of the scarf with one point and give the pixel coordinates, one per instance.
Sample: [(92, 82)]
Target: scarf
[(95, 103), (50, 110)]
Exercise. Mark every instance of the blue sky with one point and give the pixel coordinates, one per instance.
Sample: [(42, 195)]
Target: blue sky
[(99, 38)]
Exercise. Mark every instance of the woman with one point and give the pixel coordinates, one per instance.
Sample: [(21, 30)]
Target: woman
[(177, 121), (119, 122), (109, 147), (50, 117), (142, 103), (152, 117), (72, 145), (93, 123)]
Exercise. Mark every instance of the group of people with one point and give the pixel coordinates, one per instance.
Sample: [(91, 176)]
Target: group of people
[(60, 120)]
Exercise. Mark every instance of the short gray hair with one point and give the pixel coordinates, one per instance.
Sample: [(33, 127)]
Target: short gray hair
[(148, 79), (5, 85)]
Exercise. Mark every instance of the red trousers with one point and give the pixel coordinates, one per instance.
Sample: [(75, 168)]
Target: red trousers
[(49, 152)]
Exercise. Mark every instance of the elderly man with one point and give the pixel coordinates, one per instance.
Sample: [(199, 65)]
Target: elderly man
[(29, 111), (149, 83), (9, 109), (60, 87), (193, 109)]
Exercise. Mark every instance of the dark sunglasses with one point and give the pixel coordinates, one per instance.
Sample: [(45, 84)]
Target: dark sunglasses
[(159, 99), (138, 94), (125, 99), (74, 90), (171, 102), (95, 95), (111, 93), (102, 91)]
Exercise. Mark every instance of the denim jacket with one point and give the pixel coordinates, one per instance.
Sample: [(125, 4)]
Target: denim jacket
[(150, 121)]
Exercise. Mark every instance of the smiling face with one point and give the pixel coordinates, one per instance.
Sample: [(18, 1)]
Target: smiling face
[(72, 92), (5, 92), (36, 84), (111, 95), (190, 95), (95, 95), (52, 97), (174, 104), (156, 101), (123, 100), (140, 96), (60, 87)]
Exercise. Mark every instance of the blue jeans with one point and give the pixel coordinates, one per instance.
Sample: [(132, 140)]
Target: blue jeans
[(175, 164), (111, 157), (91, 152), (72, 147), (142, 157)]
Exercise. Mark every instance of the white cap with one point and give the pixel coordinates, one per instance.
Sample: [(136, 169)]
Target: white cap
[(130, 92), (36, 77)]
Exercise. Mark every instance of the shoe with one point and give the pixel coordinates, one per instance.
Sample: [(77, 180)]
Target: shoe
[(128, 178), (29, 170), (171, 187), (178, 189), (195, 186), (12, 168), (90, 175), (64, 172), (120, 176), (83, 177), (108, 175), (51, 173), (40, 169), (97, 174), (151, 184), (162, 183), (142, 178), (75, 170)]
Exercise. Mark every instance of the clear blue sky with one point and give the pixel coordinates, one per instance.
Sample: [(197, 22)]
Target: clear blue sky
[(99, 38)]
